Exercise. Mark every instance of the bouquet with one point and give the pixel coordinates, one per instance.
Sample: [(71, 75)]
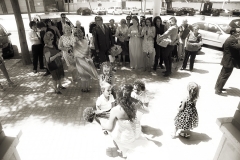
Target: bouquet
[(115, 50), (89, 114)]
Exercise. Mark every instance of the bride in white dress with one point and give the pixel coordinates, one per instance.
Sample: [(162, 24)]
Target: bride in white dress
[(125, 128)]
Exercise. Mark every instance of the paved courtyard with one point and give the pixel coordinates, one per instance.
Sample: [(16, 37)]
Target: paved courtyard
[(53, 127)]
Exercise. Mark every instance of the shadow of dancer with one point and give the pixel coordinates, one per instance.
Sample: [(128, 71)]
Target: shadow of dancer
[(195, 138)]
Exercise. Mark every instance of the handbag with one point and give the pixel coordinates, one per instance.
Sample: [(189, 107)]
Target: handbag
[(115, 50), (52, 65), (164, 43)]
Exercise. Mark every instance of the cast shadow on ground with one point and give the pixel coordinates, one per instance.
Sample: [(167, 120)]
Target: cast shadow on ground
[(200, 71), (232, 91), (148, 130), (195, 138)]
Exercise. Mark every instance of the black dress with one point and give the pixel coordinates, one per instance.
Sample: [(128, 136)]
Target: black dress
[(58, 73)]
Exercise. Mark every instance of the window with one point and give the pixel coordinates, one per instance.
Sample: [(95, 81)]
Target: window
[(213, 28), (200, 25)]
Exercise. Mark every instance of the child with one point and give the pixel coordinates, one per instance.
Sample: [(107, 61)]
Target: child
[(187, 117), (105, 102), (140, 94), (107, 76)]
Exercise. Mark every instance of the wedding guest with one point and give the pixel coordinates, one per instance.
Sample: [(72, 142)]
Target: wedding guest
[(108, 76), (52, 55), (143, 23), (184, 30), (122, 40), (125, 128), (84, 64), (230, 51), (148, 33), (65, 44), (171, 32), (61, 24), (78, 25), (193, 45), (160, 29), (140, 93), (187, 117), (51, 25), (113, 28), (102, 39), (37, 46), (135, 45)]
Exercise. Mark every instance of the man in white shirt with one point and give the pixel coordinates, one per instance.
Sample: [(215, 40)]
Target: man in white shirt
[(37, 46)]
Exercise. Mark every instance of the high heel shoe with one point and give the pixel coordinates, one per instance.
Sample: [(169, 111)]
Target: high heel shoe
[(58, 92)]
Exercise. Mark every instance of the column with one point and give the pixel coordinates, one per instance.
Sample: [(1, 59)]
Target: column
[(156, 7)]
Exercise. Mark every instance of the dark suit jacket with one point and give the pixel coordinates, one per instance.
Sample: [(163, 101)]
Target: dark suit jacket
[(231, 50), (60, 28), (102, 41)]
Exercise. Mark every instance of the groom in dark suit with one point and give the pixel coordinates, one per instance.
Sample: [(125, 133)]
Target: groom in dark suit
[(103, 40), (60, 24), (229, 60)]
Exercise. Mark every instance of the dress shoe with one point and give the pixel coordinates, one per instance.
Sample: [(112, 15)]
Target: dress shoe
[(34, 71), (183, 68), (162, 67), (223, 89), (46, 74), (57, 92), (167, 74)]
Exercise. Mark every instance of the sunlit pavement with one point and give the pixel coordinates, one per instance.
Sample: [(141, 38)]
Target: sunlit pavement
[(53, 128)]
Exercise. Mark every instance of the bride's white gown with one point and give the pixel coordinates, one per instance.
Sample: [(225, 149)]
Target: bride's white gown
[(129, 138)]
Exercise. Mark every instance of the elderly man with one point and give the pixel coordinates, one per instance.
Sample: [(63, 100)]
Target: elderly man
[(229, 60), (102, 39), (172, 32), (184, 30)]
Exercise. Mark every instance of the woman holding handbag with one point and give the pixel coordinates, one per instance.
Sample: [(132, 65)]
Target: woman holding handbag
[(193, 45), (54, 62)]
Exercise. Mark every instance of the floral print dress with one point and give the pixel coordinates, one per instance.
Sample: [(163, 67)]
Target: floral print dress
[(187, 119)]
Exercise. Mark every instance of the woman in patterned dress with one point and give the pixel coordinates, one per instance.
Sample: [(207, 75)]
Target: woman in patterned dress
[(187, 117), (135, 45), (148, 44), (52, 54), (122, 39), (84, 64), (65, 44)]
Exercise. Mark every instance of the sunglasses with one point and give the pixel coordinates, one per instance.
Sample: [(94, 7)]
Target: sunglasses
[(128, 19), (63, 17)]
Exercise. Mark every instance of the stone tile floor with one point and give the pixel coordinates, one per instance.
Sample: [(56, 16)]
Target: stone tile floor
[(53, 128)]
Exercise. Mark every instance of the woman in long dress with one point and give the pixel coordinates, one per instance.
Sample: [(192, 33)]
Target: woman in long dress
[(125, 128), (65, 44), (148, 33), (135, 45), (84, 63)]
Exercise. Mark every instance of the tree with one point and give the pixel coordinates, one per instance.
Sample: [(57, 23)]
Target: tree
[(21, 33)]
